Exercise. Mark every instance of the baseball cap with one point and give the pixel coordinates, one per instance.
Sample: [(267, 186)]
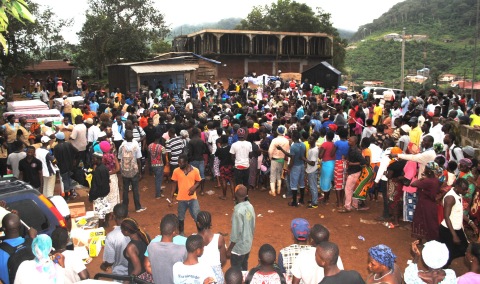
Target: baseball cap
[(45, 139), (281, 130), (413, 119), (60, 135), (406, 128), (469, 150), (88, 121), (216, 117), (241, 132), (300, 229)]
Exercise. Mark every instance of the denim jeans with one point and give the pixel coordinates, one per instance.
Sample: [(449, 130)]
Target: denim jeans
[(158, 171), (312, 186), (136, 196), (240, 261), (297, 177), (66, 181), (288, 193), (200, 165), (192, 206)]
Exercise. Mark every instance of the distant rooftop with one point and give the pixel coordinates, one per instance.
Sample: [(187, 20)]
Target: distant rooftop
[(258, 32), (51, 65)]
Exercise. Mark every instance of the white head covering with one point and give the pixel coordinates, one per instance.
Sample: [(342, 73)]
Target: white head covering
[(435, 254)]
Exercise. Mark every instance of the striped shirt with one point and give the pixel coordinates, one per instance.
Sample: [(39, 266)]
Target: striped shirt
[(138, 133), (175, 147)]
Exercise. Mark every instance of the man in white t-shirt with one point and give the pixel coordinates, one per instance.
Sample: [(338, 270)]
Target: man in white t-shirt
[(241, 152), (304, 267), (75, 270), (191, 271)]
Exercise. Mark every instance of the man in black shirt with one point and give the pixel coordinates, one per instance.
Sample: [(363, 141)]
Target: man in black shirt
[(355, 163), (100, 188), (65, 154), (31, 169), (150, 133), (326, 256), (196, 149)]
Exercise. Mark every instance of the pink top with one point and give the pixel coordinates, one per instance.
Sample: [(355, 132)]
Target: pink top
[(358, 127), (410, 172), (468, 278)]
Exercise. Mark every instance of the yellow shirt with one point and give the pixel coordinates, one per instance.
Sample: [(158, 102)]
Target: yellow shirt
[(75, 113), (475, 120), (415, 135), (377, 113)]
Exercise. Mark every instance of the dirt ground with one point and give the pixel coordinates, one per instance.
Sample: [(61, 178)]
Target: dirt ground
[(274, 227)]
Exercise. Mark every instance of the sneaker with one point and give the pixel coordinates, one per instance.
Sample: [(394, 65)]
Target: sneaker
[(141, 209), (312, 206), (160, 196)]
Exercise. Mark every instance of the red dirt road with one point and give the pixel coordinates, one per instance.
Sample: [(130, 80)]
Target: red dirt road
[(274, 228)]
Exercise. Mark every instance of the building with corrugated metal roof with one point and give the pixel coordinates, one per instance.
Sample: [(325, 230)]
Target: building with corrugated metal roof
[(184, 68)]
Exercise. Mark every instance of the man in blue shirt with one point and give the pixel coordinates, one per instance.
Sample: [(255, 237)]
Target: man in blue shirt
[(300, 112), (296, 167), (11, 223), (94, 105)]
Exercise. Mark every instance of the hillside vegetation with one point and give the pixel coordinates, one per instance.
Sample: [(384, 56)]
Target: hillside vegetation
[(449, 25)]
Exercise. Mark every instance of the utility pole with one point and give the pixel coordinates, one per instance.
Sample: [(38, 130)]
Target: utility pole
[(475, 52), (402, 80)]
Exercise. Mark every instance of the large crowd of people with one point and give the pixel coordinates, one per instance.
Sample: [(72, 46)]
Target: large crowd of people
[(288, 139)]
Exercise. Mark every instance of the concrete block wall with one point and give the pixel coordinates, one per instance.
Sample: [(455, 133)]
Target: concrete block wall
[(471, 137)]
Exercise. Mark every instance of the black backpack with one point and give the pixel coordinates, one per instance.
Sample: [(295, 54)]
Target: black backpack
[(18, 255)]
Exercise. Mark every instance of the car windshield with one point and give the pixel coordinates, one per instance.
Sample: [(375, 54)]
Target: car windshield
[(31, 214)]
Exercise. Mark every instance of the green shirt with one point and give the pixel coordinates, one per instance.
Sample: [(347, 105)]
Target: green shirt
[(243, 226)]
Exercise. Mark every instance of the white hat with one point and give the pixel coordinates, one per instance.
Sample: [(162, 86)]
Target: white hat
[(45, 139), (406, 128), (216, 117), (88, 121), (435, 254), (47, 120)]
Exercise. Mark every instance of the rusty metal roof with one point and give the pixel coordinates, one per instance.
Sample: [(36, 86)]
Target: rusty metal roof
[(163, 68), (47, 65)]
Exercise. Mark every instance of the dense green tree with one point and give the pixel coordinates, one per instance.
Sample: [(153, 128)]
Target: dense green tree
[(119, 30), (291, 16), (12, 9), (29, 42)]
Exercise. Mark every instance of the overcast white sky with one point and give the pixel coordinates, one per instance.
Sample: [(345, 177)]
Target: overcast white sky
[(346, 14)]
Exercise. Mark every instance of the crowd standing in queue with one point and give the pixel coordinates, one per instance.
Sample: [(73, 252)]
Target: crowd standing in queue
[(290, 139)]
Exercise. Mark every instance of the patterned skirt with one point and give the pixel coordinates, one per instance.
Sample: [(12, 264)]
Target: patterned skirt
[(226, 172), (216, 166), (364, 183), (101, 207), (113, 197), (340, 173)]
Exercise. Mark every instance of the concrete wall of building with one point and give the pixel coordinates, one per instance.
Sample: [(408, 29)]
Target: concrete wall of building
[(471, 137)]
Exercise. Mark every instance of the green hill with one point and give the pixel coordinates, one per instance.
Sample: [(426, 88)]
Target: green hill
[(450, 29)]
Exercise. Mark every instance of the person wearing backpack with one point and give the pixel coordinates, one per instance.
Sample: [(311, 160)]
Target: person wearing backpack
[(130, 154), (14, 249)]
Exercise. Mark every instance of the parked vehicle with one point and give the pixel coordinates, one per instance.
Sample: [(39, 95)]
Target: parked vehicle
[(34, 209)]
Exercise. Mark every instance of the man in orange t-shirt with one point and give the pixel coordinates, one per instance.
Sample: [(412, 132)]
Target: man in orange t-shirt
[(187, 178)]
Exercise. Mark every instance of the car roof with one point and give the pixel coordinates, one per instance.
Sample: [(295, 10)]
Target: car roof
[(13, 186)]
